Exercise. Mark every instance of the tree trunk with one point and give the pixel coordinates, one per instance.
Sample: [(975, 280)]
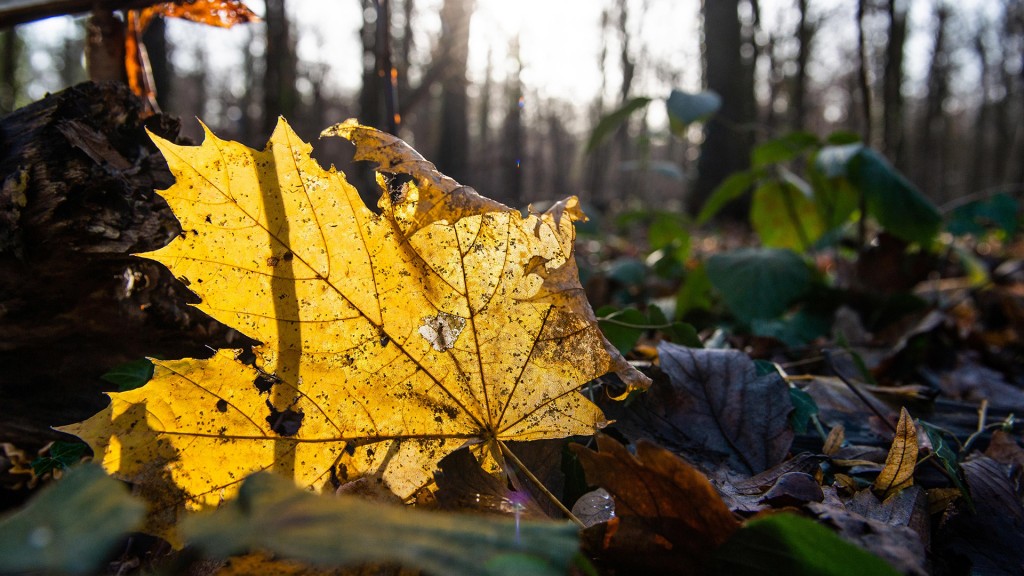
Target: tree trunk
[(279, 95), (932, 156), (804, 34), (77, 180), (10, 58), (155, 39), (892, 82), (728, 136), (453, 150)]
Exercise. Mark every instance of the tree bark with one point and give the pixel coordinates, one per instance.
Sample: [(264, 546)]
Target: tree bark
[(77, 180), (728, 136), (453, 151), (892, 83), (279, 95)]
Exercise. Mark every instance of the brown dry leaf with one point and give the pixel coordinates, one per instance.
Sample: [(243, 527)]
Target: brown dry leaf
[(219, 13), (669, 516), (713, 407), (389, 340), (898, 472)]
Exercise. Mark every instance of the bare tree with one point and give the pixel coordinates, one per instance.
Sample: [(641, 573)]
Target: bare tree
[(453, 150), (279, 94), (729, 71), (892, 84)]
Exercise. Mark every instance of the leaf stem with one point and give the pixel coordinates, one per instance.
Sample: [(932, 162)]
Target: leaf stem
[(631, 325), (540, 485)]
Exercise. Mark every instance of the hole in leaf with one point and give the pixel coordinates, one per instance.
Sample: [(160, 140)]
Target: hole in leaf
[(264, 382), (284, 423)]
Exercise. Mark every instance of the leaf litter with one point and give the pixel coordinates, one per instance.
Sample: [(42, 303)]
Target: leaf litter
[(371, 372)]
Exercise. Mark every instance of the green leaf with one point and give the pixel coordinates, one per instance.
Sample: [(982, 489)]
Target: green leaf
[(804, 407), (758, 282), (70, 526), (611, 122), (784, 216), (998, 212), (622, 327), (130, 375), (685, 107), (666, 229), (892, 199), (943, 450), (798, 329), (897, 204), (61, 456), (680, 332), (731, 188), (794, 546), (783, 149), (834, 161), (695, 294), (273, 515)]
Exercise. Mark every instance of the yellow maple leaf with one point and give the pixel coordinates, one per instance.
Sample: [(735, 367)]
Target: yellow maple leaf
[(388, 341)]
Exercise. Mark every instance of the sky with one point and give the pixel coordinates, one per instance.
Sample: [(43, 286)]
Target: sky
[(559, 39)]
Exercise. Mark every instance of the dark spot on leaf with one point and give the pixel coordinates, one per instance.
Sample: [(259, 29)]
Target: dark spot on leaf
[(208, 219), (350, 449), (247, 357), (287, 256), (222, 405), (264, 382), (286, 423), (272, 261), (384, 340), (451, 411)]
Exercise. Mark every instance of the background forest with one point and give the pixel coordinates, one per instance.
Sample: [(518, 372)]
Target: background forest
[(503, 96)]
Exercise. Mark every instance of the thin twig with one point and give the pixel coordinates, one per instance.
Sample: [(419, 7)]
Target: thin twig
[(540, 485), (853, 388)]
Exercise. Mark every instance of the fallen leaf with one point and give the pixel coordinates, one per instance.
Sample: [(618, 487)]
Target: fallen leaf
[(463, 484), (271, 514), (389, 340), (669, 515), (990, 538), (713, 407), (898, 472)]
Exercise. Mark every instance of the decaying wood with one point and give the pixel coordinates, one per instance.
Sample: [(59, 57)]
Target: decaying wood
[(77, 180)]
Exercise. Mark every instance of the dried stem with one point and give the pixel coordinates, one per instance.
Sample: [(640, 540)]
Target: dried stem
[(536, 482)]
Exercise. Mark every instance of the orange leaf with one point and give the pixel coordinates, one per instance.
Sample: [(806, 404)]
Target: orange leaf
[(898, 472), (669, 515)]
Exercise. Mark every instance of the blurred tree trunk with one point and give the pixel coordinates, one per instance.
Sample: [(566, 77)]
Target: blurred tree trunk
[(623, 143), (728, 136), (279, 95), (599, 158), (155, 40), (980, 176), (932, 153), (512, 134), (371, 101), (805, 34), (453, 150), (10, 57), (892, 82)]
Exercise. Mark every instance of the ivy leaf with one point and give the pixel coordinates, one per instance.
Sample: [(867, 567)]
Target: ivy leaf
[(388, 340)]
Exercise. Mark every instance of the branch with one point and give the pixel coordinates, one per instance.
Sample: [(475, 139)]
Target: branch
[(15, 12)]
